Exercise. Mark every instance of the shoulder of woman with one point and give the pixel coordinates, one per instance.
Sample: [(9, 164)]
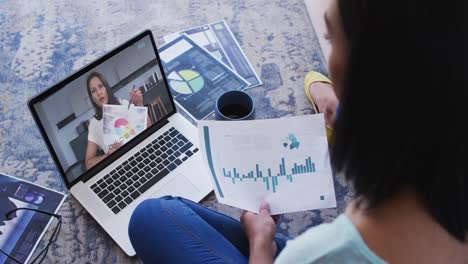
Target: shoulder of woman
[(309, 246)]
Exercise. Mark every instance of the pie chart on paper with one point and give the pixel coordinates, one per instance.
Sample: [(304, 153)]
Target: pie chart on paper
[(186, 81)]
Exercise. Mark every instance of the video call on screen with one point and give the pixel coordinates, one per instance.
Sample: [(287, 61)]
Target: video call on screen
[(78, 125)]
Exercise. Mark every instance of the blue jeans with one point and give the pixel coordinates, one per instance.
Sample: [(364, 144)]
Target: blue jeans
[(177, 230)]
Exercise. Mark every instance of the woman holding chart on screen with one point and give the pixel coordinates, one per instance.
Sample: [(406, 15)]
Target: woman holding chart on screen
[(400, 138), (100, 94)]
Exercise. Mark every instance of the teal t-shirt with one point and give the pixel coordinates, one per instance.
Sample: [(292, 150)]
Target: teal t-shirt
[(336, 242)]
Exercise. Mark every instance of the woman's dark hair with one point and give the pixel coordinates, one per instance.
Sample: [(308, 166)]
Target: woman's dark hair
[(110, 95), (402, 120)]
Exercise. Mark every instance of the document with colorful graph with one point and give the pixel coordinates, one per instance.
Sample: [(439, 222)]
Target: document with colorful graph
[(284, 162), (122, 123), (196, 78)]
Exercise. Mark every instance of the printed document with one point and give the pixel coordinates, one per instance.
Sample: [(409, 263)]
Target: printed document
[(195, 77), (122, 123), (284, 162), (218, 39)]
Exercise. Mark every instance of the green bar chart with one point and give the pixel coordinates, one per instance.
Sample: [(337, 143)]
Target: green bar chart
[(271, 179)]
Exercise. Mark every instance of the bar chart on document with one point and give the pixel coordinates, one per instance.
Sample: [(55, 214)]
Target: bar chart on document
[(282, 161)]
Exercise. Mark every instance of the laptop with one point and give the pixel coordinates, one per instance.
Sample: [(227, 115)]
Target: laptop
[(110, 180)]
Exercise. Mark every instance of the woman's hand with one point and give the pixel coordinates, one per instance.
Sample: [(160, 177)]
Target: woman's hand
[(260, 230), (136, 97), (113, 148)]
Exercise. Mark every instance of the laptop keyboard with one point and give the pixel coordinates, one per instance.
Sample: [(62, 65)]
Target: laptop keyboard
[(141, 171)]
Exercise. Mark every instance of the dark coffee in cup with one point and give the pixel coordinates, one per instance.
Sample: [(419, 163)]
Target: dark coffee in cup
[(235, 111), (234, 105)]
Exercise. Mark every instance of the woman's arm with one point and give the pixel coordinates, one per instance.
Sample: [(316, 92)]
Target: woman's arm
[(262, 252), (91, 158), (260, 229)]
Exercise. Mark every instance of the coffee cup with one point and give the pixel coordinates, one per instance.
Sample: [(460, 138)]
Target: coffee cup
[(235, 105)]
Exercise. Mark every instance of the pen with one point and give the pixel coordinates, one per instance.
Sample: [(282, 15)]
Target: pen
[(129, 102)]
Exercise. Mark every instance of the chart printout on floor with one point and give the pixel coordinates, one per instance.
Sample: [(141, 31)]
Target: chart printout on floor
[(218, 39), (21, 232), (284, 162), (196, 78)]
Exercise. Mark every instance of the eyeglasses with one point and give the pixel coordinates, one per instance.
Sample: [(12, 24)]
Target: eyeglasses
[(43, 252)]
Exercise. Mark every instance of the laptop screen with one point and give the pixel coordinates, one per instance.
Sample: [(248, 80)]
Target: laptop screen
[(105, 107)]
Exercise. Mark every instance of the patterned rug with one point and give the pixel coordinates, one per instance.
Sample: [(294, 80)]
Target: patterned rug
[(44, 41)]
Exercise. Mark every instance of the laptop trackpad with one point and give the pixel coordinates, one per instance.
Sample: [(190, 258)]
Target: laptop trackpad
[(178, 186)]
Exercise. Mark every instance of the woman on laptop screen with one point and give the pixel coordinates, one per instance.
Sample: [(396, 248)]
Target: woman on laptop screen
[(100, 94)]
